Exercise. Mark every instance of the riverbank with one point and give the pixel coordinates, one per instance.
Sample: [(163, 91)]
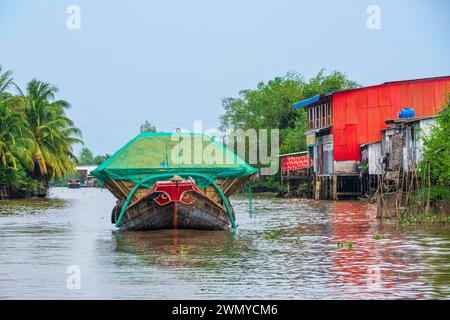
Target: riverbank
[(394, 206), (16, 192)]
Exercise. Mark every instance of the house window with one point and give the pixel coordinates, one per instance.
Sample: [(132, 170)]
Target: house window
[(310, 118), (317, 114), (328, 113), (323, 116)]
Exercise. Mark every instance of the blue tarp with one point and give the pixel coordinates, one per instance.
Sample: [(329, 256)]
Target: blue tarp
[(306, 102)]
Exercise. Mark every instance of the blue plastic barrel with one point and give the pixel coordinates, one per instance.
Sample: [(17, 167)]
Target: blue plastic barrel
[(406, 113)]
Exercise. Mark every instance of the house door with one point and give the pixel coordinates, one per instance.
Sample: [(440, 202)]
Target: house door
[(327, 158)]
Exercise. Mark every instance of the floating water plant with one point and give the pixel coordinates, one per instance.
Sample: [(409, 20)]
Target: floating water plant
[(411, 218), (273, 235), (182, 251), (377, 236), (348, 244), (298, 241)]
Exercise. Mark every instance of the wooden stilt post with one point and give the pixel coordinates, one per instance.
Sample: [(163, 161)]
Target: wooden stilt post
[(334, 192), (330, 188), (317, 189)]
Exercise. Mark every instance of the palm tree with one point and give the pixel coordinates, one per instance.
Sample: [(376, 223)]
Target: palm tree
[(15, 141), (52, 132), (5, 81)]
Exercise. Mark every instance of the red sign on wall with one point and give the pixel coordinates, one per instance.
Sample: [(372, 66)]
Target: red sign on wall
[(294, 163)]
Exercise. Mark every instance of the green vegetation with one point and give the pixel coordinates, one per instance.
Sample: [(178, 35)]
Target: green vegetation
[(36, 136), (269, 106), (100, 159), (423, 217), (298, 241), (273, 235), (147, 127), (347, 245), (87, 158), (377, 236), (436, 157), (429, 202)]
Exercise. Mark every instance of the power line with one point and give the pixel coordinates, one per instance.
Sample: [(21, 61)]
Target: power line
[(138, 124)]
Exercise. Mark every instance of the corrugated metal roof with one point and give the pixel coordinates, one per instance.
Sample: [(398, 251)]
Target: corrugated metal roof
[(306, 102), (316, 98), (407, 120), (292, 154), (393, 82), (418, 79)]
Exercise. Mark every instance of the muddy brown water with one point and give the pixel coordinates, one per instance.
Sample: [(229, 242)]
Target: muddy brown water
[(288, 250)]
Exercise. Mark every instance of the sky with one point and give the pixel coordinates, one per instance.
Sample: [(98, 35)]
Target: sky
[(172, 62)]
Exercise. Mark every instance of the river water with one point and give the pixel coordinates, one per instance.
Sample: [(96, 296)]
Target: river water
[(287, 250)]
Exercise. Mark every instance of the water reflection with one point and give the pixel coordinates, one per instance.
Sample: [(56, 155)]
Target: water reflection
[(180, 248), (387, 267), (289, 250), (30, 206)]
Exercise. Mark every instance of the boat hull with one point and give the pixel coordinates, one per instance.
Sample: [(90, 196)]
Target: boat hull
[(201, 214)]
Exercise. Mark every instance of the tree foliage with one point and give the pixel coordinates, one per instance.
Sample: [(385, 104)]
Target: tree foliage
[(53, 133), (36, 136), (86, 157), (436, 155), (269, 106), (100, 159), (147, 127)]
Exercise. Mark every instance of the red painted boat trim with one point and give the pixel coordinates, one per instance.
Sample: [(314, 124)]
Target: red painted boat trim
[(171, 191)]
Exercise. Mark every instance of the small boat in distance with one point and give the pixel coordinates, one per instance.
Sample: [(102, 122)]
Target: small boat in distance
[(74, 184), (173, 180)]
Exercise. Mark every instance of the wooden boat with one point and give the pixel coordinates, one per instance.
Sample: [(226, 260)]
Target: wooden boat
[(74, 184), (170, 204), (170, 195)]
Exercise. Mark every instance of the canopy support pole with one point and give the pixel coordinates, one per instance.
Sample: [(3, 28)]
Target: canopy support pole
[(250, 197)]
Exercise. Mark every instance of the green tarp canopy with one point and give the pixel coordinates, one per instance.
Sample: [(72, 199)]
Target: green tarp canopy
[(155, 153)]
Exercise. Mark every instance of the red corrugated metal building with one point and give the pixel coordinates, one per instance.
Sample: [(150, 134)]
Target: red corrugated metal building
[(338, 123), (359, 114)]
